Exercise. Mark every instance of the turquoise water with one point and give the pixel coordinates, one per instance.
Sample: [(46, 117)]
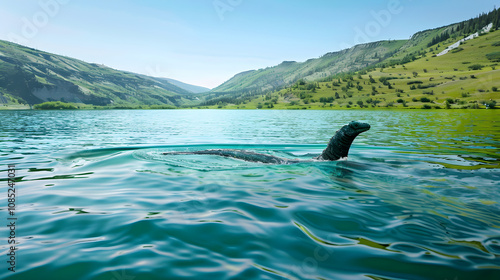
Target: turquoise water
[(417, 198)]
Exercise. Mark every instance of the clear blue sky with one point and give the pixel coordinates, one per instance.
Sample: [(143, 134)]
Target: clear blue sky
[(206, 42)]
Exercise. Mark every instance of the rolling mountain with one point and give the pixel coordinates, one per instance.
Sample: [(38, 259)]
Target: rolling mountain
[(288, 72), (248, 85), (188, 87), (444, 68), (31, 76)]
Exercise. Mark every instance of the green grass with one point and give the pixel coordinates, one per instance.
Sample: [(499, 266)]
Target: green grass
[(24, 70), (439, 78), (464, 78), (313, 69), (58, 105)]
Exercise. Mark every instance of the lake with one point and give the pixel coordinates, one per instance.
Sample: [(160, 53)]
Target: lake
[(418, 197)]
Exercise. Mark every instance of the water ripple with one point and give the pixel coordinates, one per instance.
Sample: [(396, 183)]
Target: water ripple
[(417, 198)]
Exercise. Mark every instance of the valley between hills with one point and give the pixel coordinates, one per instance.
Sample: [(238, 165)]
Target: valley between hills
[(406, 74)]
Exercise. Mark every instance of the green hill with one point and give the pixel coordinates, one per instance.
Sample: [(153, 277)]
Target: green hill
[(188, 87), (289, 72), (29, 76), (405, 74), (349, 60), (464, 78), (399, 73)]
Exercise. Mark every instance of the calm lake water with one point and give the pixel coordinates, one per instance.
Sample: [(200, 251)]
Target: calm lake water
[(418, 197)]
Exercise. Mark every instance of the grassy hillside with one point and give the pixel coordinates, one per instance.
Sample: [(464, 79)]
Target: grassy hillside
[(249, 86), (401, 74), (289, 72), (29, 76), (188, 87), (465, 78)]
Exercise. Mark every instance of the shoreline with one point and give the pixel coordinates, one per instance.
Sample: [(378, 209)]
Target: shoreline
[(255, 109)]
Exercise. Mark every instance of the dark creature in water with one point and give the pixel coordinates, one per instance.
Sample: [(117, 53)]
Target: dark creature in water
[(337, 148)]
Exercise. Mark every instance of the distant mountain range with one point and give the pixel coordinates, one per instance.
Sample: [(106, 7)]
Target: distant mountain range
[(188, 87), (31, 76)]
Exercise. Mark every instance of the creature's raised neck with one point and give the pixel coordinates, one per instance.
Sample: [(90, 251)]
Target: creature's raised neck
[(337, 148), (340, 143)]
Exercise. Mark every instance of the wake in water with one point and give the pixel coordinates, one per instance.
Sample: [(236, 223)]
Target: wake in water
[(244, 157), (338, 148), (380, 204)]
